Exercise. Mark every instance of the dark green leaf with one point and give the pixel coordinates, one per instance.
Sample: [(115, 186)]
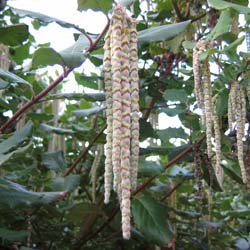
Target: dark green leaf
[(71, 57), (149, 168), (104, 6), (166, 134), (146, 130), (150, 217), (221, 104), (175, 95), (14, 35), (13, 194), (54, 161), (16, 139), (11, 235), (46, 56), (161, 33), (81, 210), (6, 156)]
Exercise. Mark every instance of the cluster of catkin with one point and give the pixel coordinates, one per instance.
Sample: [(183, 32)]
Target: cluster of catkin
[(210, 119), (237, 116), (120, 70)]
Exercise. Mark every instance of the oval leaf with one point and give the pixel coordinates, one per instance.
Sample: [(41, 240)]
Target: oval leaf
[(150, 218)]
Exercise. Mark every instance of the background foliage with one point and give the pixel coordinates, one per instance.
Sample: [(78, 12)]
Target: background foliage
[(51, 194)]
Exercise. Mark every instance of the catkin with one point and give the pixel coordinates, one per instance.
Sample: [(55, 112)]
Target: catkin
[(237, 114), (197, 81), (240, 133), (208, 105), (125, 138), (210, 119), (134, 78), (116, 35), (109, 115), (120, 69)]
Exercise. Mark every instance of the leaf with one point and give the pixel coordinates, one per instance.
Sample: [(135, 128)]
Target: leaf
[(161, 33), (87, 81), (146, 130), (81, 210), (149, 168), (57, 130), (68, 184), (42, 17), (13, 195), (223, 5), (150, 217), (54, 161), (175, 95), (154, 150), (221, 104), (11, 235), (14, 35), (223, 25), (104, 6), (20, 150), (86, 112), (239, 213), (74, 55), (166, 134), (18, 138), (90, 97), (46, 56), (71, 57), (234, 45), (9, 78)]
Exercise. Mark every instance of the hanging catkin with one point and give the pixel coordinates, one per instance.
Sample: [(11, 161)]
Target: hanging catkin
[(237, 114), (209, 118), (122, 100)]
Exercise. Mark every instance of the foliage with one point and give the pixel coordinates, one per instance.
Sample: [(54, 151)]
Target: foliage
[(47, 200)]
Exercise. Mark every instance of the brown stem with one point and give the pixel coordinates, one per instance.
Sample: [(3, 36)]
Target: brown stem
[(177, 10), (169, 193), (36, 98), (83, 153)]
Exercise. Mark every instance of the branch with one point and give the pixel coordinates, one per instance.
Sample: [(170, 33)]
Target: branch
[(169, 164), (83, 153), (142, 186), (36, 98), (169, 193)]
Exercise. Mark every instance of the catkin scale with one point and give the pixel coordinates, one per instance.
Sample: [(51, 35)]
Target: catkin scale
[(122, 97)]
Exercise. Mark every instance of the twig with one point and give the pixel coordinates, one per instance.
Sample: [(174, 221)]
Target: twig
[(83, 153), (36, 98), (177, 10), (169, 193)]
